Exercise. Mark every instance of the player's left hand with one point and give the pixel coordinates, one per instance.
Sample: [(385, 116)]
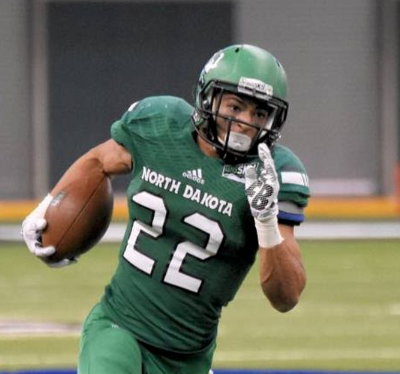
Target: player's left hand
[(262, 189)]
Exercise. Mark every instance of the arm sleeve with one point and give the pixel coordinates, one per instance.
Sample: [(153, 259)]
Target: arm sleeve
[(290, 213), (294, 187)]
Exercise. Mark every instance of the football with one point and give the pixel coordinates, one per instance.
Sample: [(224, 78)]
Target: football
[(78, 217)]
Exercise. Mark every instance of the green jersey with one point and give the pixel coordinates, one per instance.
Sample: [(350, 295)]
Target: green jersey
[(190, 238)]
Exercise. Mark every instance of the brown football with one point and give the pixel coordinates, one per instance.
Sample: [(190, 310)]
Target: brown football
[(78, 217)]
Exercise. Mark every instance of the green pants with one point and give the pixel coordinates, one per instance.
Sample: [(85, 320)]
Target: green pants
[(109, 349)]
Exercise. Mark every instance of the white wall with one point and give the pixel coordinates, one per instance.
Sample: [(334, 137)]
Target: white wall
[(330, 51), (15, 145)]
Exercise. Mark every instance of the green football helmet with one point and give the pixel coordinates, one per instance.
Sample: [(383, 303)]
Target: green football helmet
[(242, 70)]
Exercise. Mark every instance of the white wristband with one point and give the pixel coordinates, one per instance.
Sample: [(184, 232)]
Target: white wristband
[(268, 233)]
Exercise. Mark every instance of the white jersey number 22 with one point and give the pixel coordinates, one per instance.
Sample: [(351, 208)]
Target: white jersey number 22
[(173, 274)]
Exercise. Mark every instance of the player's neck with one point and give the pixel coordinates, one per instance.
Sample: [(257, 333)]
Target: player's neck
[(206, 147)]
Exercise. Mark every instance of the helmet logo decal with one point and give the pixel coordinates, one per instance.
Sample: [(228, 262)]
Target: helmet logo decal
[(213, 62), (255, 87)]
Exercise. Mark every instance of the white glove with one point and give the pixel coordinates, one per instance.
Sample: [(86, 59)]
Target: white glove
[(262, 192), (32, 228)]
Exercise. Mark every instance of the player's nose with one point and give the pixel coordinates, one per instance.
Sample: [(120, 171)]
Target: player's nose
[(244, 116)]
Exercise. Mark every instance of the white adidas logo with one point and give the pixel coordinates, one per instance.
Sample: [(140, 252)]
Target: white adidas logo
[(194, 175)]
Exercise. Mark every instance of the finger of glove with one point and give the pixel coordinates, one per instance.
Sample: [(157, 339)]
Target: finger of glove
[(264, 153), (265, 156), (250, 174), (31, 244), (29, 230), (270, 178), (40, 251), (41, 224), (33, 228), (62, 263)]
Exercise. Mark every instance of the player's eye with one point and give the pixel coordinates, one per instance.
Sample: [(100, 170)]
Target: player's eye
[(262, 114), (235, 108)]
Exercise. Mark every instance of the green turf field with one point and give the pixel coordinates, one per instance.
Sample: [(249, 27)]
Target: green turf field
[(348, 318)]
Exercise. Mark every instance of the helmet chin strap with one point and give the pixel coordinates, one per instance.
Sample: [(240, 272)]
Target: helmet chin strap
[(237, 142)]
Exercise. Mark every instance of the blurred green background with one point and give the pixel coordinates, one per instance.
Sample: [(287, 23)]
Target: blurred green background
[(347, 319)]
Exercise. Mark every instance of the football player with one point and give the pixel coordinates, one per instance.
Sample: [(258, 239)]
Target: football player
[(210, 188)]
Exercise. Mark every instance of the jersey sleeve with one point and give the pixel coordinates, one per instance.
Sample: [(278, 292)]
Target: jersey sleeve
[(294, 186), (146, 122), (120, 133), (135, 123), (126, 129)]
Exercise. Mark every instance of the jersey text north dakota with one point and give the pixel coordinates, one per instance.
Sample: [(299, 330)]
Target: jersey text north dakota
[(187, 191)]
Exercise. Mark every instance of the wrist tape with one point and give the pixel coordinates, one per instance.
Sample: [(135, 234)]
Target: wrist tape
[(40, 210), (44, 204), (268, 233)]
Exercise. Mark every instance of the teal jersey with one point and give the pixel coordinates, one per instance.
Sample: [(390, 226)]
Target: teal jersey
[(190, 238)]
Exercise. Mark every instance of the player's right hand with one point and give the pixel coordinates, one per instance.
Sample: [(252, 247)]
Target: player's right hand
[(31, 231), (33, 226)]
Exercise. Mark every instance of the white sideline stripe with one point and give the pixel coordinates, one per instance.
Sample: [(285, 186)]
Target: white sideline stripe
[(308, 354), (16, 328), (308, 230), (39, 335), (343, 186), (349, 230)]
